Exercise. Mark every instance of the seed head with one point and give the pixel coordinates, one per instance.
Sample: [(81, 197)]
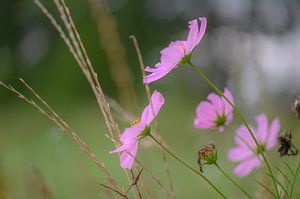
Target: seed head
[(286, 146)]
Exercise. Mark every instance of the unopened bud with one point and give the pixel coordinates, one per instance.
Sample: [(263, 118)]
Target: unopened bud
[(208, 155)]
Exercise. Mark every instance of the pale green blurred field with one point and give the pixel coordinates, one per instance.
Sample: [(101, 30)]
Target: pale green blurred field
[(35, 153), (29, 141)]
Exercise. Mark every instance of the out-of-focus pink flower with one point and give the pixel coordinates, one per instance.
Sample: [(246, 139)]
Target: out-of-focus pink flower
[(178, 52), (139, 129), (215, 112), (246, 152)]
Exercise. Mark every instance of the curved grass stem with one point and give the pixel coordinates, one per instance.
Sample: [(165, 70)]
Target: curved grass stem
[(188, 166), (237, 111)]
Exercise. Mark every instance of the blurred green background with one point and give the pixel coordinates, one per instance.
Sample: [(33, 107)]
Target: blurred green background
[(251, 47)]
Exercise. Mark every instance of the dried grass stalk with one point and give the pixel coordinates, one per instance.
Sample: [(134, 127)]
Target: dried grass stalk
[(53, 116)]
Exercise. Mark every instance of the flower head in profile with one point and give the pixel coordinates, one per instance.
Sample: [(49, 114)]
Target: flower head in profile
[(178, 52), (215, 112), (140, 128), (246, 152)]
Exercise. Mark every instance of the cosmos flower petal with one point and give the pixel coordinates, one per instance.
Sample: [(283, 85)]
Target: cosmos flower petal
[(262, 127), (131, 136), (247, 152), (228, 108), (245, 167), (211, 113), (238, 154), (243, 138), (123, 147), (217, 102), (151, 111), (132, 132), (195, 35), (205, 111), (174, 54), (273, 134), (127, 157), (156, 73), (203, 124)]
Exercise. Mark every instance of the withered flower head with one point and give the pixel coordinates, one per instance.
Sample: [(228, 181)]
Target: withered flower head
[(286, 146), (208, 154), (296, 106)]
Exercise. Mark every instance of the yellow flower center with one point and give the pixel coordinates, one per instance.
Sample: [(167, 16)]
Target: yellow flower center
[(135, 122)]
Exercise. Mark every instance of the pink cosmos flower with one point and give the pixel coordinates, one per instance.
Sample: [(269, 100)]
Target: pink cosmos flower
[(247, 153), (139, 129), (215, 112), (177, 52)]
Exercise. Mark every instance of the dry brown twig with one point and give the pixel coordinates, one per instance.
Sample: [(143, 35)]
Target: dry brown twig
[(75, 47), (148, 92), (53, 116), (114, 190)]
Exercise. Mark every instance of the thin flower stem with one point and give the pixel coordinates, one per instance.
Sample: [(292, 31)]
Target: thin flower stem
[(236, 184), (188, 166), (237, 111)]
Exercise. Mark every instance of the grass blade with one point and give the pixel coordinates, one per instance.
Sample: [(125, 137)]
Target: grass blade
[(288, 166), (284, 175), (266, 188), (280, 184)]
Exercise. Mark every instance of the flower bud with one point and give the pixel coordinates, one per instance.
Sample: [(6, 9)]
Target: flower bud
[(208, 154)]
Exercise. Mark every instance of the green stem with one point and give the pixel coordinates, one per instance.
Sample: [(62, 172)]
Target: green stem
[(236, 184), (237, 111), (188, 166)]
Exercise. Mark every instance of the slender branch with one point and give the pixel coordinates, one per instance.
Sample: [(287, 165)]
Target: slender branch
[(237, 111), (188, 166), (79, 52)]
